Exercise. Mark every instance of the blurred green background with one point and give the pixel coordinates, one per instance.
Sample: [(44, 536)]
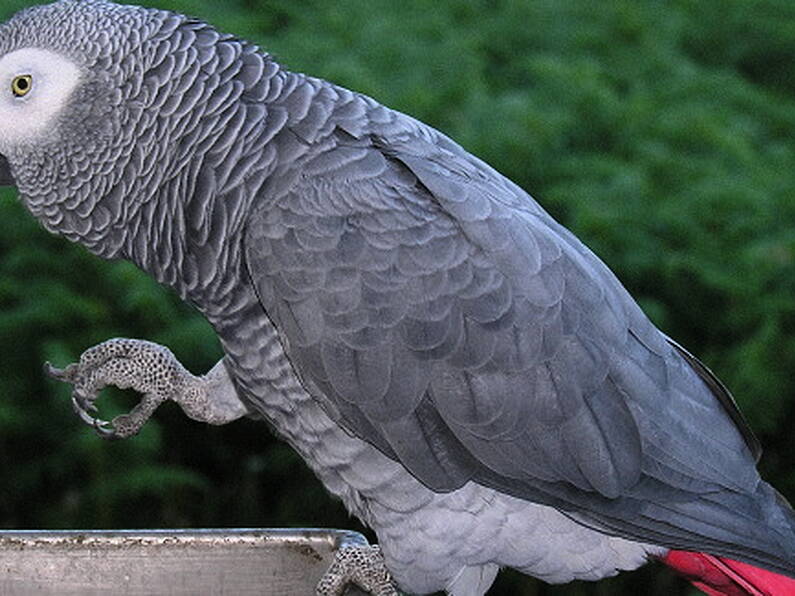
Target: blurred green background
[(660, 132)]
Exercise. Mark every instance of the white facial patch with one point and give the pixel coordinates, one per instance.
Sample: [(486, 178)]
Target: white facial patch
[(35, 85)]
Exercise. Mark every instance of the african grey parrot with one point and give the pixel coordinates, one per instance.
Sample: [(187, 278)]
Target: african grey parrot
[(469, 379)]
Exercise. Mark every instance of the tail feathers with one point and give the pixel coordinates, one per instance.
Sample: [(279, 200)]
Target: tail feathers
[(719, 576)]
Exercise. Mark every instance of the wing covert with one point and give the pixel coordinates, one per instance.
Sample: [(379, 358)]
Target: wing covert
[(443, 316)]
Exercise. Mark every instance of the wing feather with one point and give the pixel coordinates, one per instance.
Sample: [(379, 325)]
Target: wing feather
[(387, 262), (443, 316)]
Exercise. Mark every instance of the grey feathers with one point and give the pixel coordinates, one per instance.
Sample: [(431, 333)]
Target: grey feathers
[(431, 307), (449, 321)]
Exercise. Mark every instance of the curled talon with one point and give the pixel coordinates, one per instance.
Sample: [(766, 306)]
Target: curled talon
[(84, 402), (82, 412), (105, 429), (102, 427)]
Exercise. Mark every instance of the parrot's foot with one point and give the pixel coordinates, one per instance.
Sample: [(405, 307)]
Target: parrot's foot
[(155, 372), (362, 566)]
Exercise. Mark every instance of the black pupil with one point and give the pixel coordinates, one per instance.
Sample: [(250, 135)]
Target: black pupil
[(22, 84)]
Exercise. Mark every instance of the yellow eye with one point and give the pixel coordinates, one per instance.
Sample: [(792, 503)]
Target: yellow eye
[(21, 85)]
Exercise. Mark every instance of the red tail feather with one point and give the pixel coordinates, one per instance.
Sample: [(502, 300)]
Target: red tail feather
[(718, 576)]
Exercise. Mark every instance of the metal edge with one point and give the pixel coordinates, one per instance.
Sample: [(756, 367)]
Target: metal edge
[(336, 539)]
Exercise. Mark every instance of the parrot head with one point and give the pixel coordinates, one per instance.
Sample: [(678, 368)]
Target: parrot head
[(76, 81)]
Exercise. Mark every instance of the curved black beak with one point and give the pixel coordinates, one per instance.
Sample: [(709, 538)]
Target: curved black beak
[(6, 179)]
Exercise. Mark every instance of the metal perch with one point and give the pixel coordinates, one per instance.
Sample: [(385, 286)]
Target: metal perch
[(235, 562)]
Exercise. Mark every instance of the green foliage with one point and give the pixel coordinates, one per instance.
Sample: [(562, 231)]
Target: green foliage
[(661, 133)]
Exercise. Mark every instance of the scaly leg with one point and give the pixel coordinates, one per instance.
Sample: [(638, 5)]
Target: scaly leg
[(154, 371), (360, 565)]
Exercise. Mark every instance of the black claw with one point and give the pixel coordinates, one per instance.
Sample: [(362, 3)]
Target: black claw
[(78, 407), (80, 401), (85, 403), (82, 405), (102, 427), (105, 430)]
